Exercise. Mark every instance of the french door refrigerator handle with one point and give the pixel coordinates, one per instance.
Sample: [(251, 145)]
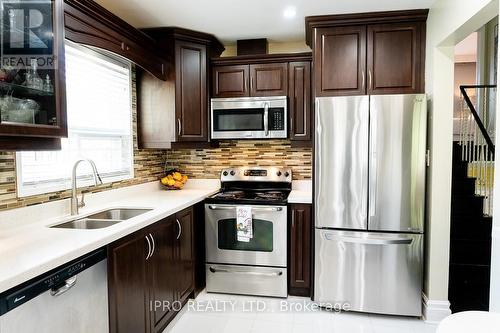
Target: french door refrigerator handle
[(364, 240), (372, 203), (266, 209), (317, 149)]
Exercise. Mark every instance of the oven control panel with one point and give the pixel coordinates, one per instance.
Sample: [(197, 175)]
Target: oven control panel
[(267, 174)]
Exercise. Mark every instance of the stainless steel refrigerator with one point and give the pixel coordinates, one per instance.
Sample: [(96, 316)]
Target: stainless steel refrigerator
[(370, 160)]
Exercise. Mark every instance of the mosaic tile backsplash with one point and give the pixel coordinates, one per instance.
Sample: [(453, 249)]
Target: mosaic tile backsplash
[(207, 163), (148, 166), (196, 163)]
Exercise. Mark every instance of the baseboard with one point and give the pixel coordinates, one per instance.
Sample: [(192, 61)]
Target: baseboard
[(434, 311)]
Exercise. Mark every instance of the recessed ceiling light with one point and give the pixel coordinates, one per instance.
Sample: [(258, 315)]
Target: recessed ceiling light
[(290, 12)]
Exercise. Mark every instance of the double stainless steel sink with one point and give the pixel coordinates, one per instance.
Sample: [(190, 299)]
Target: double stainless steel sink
[(103, 219)]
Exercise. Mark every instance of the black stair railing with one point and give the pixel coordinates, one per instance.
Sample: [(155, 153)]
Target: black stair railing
[(477, 135)]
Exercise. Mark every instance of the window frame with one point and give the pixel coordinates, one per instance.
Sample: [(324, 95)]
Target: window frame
[(62, 184)]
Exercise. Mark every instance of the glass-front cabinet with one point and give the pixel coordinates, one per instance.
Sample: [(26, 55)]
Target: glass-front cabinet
[(32, 85)]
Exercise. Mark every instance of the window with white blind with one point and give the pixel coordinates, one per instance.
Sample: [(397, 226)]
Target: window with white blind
[(98, 95)]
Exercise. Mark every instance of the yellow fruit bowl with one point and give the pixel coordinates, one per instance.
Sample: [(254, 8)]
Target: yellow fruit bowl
[(174, 180)]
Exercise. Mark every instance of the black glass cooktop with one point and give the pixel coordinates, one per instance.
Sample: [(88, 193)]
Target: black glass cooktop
[(274, 197)]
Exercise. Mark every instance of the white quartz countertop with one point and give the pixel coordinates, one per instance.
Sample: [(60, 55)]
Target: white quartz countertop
[(29, 248), (301, 192)]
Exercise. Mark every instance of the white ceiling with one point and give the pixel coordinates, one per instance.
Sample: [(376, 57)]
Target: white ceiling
[(230, 20), (467, 47)]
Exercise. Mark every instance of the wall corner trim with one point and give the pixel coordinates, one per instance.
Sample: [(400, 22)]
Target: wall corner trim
[(434, 311)]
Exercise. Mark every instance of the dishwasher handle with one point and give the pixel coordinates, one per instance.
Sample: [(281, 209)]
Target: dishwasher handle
[(68, 284)]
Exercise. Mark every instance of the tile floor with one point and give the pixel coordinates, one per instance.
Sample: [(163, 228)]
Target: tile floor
[(217, 313)]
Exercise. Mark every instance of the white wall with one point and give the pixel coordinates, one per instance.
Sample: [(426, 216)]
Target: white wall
[(285, 47), (449, 22)]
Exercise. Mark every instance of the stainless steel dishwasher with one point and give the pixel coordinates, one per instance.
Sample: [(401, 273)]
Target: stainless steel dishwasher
[(71, 298)]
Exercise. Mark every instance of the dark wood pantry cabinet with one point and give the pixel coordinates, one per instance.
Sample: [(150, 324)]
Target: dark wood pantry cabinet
[(300, 243), (299, 106), (369, 53), (148, 272)]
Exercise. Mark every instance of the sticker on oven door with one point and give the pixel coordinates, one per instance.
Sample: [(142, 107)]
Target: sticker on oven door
[(244, 227)]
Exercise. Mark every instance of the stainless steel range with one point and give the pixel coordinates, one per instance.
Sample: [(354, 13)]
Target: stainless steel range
[(256, 263)]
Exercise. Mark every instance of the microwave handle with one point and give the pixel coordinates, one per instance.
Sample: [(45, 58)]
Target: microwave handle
[(266, 118)]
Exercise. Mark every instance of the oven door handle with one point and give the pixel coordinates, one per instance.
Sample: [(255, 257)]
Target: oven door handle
[(232, 271), (265, 209)]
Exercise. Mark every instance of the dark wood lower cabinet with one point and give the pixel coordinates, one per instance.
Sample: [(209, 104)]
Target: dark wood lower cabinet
[(299, 265), (185, 254), (128, 292), (162, 273), (148, 272)]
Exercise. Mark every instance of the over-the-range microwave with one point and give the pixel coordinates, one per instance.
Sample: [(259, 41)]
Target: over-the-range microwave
[(249, 118)]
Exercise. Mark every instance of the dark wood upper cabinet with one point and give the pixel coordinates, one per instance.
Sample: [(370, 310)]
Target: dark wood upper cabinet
[(128, 292), (87, 22), (299, 265), (230, 81), (395, 56), (191, 97), (269, 79), (369, 53), (299, 107), (185, 93), (340, 55), (33, 114)]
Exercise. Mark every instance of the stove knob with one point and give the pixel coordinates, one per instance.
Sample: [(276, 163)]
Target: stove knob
[(225, 173), (287, 174), (232, 173), (278, 173)]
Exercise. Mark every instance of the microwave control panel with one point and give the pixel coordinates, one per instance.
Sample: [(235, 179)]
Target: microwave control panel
[(276, 119)]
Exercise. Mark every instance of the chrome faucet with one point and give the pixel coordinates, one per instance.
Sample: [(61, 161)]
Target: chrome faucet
[(75, 203)]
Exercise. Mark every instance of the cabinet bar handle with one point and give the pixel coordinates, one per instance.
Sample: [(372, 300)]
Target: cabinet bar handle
[(363, 80), (149, 248), (153, 241), (180, 228), (370, 82), (179, 126)]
